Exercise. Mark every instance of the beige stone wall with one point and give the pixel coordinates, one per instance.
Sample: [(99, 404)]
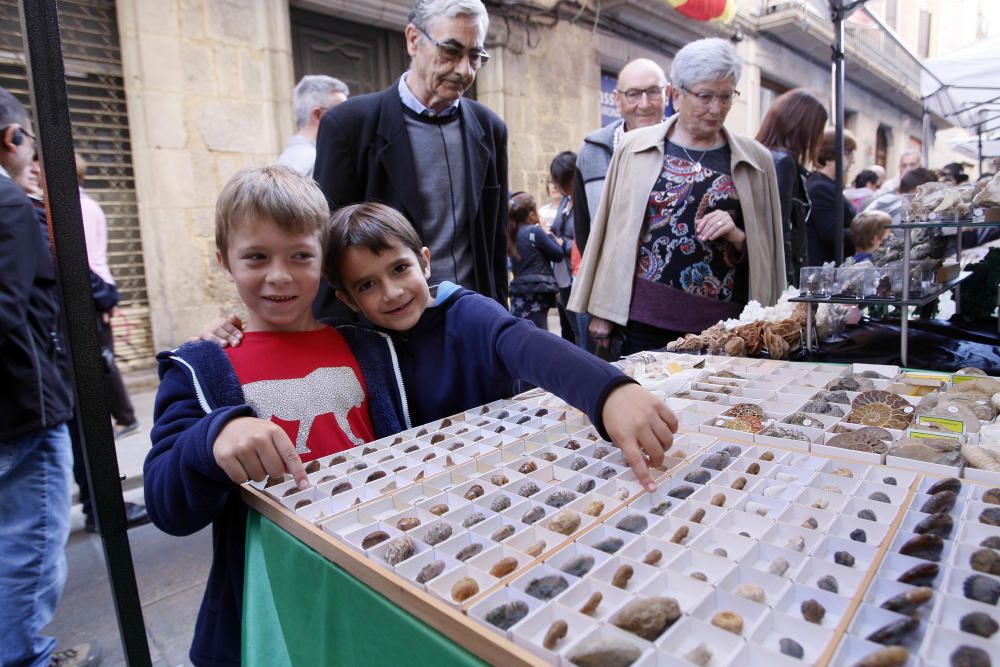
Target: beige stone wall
[(208, 85), (548, 95)]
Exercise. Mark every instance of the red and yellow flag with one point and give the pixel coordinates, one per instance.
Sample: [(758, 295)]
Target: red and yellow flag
[(706, 10)]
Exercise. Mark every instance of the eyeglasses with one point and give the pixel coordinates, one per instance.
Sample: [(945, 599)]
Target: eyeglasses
[(633, 95), (706, 99), (452, 51)]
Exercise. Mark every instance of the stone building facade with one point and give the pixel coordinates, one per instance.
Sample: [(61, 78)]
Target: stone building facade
[(208, 84)]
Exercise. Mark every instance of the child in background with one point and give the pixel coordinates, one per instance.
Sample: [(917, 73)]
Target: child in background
[(459, 349), (225, 417), (532, 250), (868, 230)]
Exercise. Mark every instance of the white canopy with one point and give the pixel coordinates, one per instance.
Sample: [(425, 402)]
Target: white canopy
[(964, 86)]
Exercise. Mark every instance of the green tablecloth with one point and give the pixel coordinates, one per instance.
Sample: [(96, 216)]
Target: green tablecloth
[(301, 609)]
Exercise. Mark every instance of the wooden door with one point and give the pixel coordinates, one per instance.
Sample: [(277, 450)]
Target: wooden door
[(366, 58)]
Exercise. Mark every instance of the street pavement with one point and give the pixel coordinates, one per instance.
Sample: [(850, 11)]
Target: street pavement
[(170, 571)]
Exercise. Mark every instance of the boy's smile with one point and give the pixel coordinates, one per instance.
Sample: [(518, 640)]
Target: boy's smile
[(276, 273), (389, 288)]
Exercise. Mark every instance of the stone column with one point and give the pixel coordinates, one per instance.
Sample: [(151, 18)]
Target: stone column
[(208, 86)]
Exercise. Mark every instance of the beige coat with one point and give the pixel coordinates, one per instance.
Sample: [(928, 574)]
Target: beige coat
[(603, 286)]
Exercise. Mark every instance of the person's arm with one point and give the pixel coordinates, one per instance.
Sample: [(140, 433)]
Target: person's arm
[(635, 420), (581, 212), (503, 207), (787, 173), (821, 217), (18, 263), (335, 170), (199, 458), (185, 488), (547, 244)]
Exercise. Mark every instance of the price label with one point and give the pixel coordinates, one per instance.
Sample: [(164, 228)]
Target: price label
[(953, 425), (932, 435)]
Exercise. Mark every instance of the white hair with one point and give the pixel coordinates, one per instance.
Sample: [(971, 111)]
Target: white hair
[(314, 90), (424, 11), (710, 59)]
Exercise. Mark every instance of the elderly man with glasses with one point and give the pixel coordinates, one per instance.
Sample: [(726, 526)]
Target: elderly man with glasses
[(641, 96), (424, 150), (689, 224)]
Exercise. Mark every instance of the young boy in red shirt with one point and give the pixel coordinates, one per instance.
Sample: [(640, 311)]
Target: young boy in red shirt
[(294, 391)]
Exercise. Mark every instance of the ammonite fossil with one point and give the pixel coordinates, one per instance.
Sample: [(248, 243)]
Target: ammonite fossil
[(745, 409), (881, 408)]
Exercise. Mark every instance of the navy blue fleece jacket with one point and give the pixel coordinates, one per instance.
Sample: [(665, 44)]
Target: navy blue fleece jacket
[(466, 350), (186, 490)]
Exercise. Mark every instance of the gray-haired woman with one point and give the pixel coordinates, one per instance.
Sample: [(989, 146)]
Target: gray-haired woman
[(689, 225)]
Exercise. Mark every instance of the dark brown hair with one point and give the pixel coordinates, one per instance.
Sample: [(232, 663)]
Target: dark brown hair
[(562, 170), (794, 123), (828, 149), (914, 177), (522, 205), (867, 227), (374, 226)]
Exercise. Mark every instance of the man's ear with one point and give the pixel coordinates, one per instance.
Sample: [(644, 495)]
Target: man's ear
[(222, 263), (412, 36), (317, 113), (346, 298), (425, 258), (7, 141)]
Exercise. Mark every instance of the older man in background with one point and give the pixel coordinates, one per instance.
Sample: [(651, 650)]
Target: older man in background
[(314, 95), (640, 96), (908, 160), (423, 149)]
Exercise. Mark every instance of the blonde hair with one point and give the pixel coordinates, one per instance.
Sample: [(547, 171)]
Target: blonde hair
[(276, 193), (867, 228)]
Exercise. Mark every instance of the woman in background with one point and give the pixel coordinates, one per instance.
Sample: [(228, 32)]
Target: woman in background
[(793, 131)]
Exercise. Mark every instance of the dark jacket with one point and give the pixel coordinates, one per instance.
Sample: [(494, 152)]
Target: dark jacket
[(565, 230), (820, 228), (591, 170), (186, 490), (35, 388), (795, 208), (533, 269), (363, 154), (466, 350)]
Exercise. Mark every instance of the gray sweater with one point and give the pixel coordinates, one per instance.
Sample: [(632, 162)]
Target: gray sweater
[(439, 152)]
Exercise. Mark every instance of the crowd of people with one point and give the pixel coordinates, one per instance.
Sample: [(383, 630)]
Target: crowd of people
[(427, 291)]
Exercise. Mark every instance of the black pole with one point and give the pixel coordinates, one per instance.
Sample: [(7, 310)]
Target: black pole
[(979, 149), (838, 101), (46, 77)]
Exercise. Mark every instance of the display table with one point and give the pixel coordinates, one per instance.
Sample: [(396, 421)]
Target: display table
[(344, 621), (512, 534)]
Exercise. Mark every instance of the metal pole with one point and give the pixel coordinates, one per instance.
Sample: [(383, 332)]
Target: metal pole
[(925, 133), (46, 77), (904, 315), (838, 100), (979, 148)]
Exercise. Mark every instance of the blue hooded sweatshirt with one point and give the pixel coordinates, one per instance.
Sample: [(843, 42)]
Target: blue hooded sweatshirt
[(186, 490)]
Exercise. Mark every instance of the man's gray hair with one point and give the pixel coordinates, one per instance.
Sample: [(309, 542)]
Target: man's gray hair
[(11, 110), (911, 152), (424, 11), (314, 90), (710, 59)]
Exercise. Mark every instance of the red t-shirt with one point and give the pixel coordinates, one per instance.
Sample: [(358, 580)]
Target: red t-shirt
[(309, 384)]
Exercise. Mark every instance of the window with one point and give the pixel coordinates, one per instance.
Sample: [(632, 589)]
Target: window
[(891, 18), (769, 90)]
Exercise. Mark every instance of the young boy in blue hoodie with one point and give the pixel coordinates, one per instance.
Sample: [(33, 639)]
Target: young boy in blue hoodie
[(295, 390), (458, 349)]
